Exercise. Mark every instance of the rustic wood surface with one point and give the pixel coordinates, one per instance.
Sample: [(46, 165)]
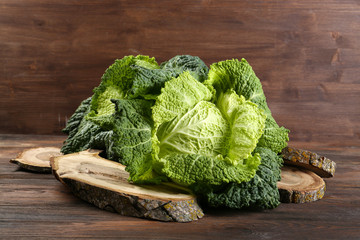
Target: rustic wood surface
[(37, 206), (307, 54)]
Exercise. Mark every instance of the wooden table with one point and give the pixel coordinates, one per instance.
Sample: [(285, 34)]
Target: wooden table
[(38, 206)]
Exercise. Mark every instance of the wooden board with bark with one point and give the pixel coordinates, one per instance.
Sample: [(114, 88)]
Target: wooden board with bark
[(36, 159), (321, 165), (104, 183), (300, 186)]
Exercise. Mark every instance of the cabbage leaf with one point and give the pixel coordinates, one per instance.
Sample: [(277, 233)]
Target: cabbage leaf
[(178, 96), (201, 130), (246, 122), (239, 76), (188, 169), (260, 192), (147, 82), (187, 63), (117, 81)]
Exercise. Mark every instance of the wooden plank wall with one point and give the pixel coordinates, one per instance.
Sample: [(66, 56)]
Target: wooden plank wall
[(306, 53)]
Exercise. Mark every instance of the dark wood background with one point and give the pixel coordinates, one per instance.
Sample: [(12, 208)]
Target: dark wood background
[(306, 53)]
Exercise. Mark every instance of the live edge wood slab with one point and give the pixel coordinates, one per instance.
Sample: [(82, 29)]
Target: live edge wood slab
[(104, 183), (36, 206)]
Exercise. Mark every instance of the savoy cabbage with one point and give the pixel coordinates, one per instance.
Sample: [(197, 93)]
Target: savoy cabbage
[(209, 129)]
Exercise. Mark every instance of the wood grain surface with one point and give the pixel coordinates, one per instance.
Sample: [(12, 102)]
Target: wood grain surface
[(37, 206), (306, 53)]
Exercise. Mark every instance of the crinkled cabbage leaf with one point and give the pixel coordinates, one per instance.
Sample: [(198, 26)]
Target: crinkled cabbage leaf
[(117, 81), (260, 192), (148, 82), (239, 76), (188, 169), (187, 63)]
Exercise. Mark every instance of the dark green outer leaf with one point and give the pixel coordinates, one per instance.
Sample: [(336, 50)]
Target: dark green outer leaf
[(75, 120), (147, 83), (261, 192), (183, 63)]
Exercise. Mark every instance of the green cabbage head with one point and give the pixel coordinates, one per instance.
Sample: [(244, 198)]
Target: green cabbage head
[(209, 129)]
